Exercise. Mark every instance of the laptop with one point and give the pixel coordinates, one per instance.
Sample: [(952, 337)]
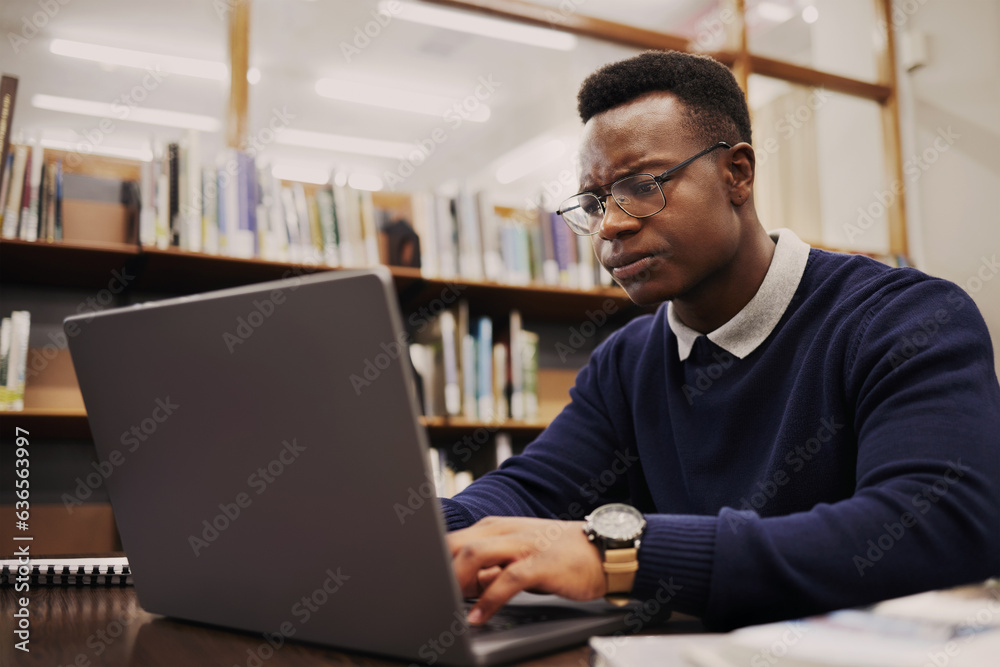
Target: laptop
[(260, 442)]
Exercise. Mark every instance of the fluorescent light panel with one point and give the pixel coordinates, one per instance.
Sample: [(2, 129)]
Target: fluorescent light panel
[(365, 181), (480, 25), (188, 121), (110, 55), (524, 160), (144, 154), (393, 98), (343, 143), (203, 69)]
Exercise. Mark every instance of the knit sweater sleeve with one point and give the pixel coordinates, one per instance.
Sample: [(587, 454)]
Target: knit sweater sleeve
[(925, 512), (558, 476)]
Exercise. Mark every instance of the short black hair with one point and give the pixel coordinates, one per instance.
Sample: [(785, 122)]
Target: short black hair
[(716, 104)]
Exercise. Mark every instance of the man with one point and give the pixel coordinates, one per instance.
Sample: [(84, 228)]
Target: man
[(801, 430)]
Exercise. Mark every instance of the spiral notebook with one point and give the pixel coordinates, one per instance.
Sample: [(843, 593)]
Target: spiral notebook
[(95, 571)]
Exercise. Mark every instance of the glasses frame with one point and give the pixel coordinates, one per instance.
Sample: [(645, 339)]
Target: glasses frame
[(659, 180)]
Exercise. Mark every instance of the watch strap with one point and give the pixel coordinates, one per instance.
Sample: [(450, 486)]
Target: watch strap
[(620, 566)]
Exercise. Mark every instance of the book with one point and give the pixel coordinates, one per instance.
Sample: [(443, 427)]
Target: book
[(959, 627), (529, 373), (26, 230), (12, 214), (470, 257), (516, 367), (484, 370), (5, 332), (492, 262), (95, 571), (8, 96), (5, 184), (449, 346), (17, 359), (173, 193)]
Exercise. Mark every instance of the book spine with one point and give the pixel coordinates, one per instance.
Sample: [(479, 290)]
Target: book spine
[(516, 367), (173, 185), (12, 214), (369, 227), (147, 203), (529, 362), (471, 248), (210, 211), (484, 370), (193, 202), (470, 403), (452, 389), (447, 236), (328, 227), (492, 260), (550, 268), (17, 364), (501, 409), (8, 96), (5, 183), (48, 204), (424, 224), (26, 230), (58, 202), (5, 333)]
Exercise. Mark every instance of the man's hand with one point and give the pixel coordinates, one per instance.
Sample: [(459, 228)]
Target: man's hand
[(500, 556)]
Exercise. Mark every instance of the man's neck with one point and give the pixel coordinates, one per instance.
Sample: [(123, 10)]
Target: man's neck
[(721, 296)]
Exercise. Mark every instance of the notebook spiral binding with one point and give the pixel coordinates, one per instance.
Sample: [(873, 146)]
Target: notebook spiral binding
[(68, 572)]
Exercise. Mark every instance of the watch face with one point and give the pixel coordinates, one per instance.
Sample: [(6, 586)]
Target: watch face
[(617, 521)]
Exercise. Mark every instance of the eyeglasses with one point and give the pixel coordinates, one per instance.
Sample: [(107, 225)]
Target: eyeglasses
[(639, 195)]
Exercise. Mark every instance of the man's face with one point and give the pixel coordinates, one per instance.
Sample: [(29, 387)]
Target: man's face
[(697, 233)]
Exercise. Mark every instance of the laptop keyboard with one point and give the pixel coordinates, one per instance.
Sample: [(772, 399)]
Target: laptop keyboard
[(511, 617)]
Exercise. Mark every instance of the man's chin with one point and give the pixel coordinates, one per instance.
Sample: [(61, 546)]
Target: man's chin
[(644, 294)]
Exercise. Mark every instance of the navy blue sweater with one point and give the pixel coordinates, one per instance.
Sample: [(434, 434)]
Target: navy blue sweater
[(853, 456)]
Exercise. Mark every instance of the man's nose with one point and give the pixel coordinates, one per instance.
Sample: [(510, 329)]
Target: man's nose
[(616, 221)]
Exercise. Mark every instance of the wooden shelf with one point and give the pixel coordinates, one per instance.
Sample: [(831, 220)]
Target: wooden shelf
[(85, 265), (45, 423), (53, 423), (174, 271)]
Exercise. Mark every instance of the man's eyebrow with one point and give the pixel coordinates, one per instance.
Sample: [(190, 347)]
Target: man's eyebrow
[(643, 165)]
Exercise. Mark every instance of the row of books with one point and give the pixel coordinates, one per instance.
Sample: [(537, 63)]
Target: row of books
[(14, 332), (447, 480), (31, 195), (471, 369), (468, 237), (238, 208)]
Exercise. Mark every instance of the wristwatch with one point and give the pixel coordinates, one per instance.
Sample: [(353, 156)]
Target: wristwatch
[(615, 529)]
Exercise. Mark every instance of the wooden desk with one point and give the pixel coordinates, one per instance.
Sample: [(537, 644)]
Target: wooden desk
[(87, 627)]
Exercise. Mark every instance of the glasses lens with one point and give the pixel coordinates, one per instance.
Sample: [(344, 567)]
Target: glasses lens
[(638, 195), (583, 213)]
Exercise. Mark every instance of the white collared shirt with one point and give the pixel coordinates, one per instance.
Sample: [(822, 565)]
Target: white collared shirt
[(751, 326)]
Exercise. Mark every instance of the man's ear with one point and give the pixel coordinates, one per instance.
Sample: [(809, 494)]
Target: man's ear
[(742, 168)]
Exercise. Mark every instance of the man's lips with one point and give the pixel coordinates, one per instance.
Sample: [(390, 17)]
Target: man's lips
[(630, 265)]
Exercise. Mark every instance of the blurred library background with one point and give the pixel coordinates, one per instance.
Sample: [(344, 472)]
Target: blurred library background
[(164, 148)]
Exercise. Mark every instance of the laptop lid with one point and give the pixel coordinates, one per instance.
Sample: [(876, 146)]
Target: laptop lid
[(261, 440)]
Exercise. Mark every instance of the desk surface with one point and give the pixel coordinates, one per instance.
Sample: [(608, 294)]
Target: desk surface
[(85, 627)]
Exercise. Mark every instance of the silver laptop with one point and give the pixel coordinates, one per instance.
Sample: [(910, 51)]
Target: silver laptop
[(259, 466)]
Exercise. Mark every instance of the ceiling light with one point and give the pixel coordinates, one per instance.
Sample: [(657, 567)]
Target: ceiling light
[(363, 181), (133, 114), (810, 14), (144, 154), (772, 11), (303, 173), (203, 69), (343, 143), (525, 159), (393, 98), (253, 76), (479, 25)]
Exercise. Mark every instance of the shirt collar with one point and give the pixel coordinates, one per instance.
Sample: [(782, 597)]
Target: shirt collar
[(751, 326)]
